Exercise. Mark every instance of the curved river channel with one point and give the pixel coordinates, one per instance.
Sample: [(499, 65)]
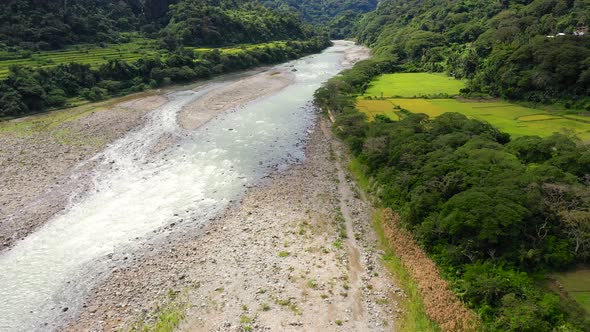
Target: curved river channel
[(134, 195)]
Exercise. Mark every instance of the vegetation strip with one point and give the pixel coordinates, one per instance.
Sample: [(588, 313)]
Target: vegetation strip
[(414, 317), (441, 304), (428, 308)]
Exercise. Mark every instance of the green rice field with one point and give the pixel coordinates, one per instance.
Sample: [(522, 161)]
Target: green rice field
[(91, 55), (577, 285), (414, 85), (513, 119)]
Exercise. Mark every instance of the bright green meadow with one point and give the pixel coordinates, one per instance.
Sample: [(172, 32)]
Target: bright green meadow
[(414, 85)]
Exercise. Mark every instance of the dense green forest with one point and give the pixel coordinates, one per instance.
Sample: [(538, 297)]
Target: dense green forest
[(29, 27), (216, 23), (495, 213), (339, 17), (43, 25), (511, 48)]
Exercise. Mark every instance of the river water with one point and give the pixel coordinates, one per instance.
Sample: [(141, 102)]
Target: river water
[(44, 278)]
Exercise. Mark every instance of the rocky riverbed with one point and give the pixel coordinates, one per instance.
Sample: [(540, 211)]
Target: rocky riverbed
[(43, 159), (297, 253)]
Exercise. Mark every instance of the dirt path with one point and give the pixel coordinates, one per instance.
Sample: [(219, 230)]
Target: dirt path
[(277, 262), (354, 265)]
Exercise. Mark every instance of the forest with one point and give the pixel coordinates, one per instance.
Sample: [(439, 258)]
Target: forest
[(45, 25), (339, 17), (518, 49), (177, 27), (495, 213)]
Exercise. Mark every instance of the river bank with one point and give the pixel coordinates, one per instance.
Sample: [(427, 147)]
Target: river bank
[(39, 155)]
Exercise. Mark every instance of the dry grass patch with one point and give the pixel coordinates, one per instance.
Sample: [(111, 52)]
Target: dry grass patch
[(441, 304)]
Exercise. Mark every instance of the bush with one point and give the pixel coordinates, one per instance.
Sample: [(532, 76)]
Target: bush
[(95, 94)]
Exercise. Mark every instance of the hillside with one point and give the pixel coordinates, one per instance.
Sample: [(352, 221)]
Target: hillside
[(488, 173), (131, 46), (338, 16), (43, 25), (510, 49)]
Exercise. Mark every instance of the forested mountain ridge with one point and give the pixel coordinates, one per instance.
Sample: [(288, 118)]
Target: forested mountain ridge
[(321, 11), (37, 24), (42, 25), (516, 49), (338, 16), (214, 22)]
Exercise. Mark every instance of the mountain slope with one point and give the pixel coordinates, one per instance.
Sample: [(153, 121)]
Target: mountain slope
[(43, 25), (339, 16), (213, 23), (502, 46), (34, 24)]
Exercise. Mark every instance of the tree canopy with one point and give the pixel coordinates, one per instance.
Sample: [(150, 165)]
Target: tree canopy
[(511, 48), (495, 213), (338, 16)]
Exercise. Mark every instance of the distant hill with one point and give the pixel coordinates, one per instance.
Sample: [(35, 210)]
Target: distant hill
[(340, 16), (49, 25)]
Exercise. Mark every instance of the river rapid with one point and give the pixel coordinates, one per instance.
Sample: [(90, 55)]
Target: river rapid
[(45, 277)]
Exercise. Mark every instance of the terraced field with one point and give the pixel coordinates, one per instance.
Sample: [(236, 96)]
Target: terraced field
[(95, 56), (372, 108), (513, 119), (91, 55), (428, 93)]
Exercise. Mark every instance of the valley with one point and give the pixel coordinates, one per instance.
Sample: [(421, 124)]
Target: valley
[(281, 165)]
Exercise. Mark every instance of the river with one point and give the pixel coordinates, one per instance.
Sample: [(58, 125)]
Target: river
[(45, 277)]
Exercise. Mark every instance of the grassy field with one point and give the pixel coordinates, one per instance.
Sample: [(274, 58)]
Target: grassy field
[(373, 108), (95, 56), (513, 119), (414, 85), (577, 285)]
